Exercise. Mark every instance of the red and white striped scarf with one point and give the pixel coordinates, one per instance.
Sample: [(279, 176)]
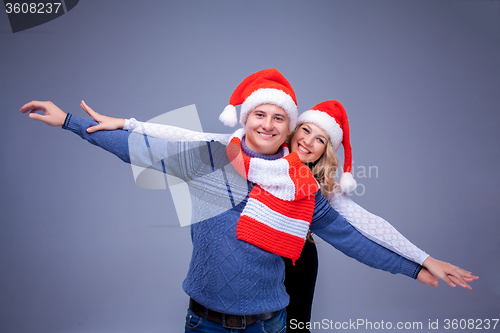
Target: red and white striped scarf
[(280, 206)]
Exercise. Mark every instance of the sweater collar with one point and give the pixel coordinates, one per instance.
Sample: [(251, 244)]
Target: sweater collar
[(251, 153)]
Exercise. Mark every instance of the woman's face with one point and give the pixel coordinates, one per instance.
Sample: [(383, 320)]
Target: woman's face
[(309, 142)]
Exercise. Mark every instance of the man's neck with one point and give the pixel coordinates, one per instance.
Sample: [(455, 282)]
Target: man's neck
[(251, 153)]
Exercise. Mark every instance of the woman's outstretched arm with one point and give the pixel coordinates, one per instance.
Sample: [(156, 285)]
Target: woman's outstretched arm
[(159, 131), (375, 228), (382, 232)]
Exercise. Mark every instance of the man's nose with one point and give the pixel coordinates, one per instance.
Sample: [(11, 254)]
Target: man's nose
[(267, 124)]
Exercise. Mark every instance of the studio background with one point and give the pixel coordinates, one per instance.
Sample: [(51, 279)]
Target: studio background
[(83, 249)]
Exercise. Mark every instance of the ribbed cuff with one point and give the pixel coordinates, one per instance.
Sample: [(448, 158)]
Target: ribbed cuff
[(411, 269), (66, 121)]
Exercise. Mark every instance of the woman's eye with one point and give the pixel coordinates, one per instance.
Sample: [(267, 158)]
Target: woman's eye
[(321, 141), (305, 130), (279, 119)]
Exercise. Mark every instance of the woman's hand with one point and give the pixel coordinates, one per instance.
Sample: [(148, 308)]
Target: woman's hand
[(105, 123), (449, 273), (52, 116)]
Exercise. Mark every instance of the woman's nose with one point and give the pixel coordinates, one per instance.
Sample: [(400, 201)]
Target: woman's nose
[(308, 140)]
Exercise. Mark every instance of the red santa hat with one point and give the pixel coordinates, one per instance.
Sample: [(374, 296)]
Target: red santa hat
[(265, 87), (331, 117)]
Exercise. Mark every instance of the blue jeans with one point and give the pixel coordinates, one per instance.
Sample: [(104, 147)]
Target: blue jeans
[(198, 324)]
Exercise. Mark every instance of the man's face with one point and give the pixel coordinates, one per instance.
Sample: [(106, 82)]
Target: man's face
[(266, 129)]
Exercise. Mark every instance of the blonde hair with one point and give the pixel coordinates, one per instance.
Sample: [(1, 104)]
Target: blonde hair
[(323, 171)]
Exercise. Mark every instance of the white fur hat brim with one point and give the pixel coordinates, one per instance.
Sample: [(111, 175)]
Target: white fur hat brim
[(326, 123), (270, 96)]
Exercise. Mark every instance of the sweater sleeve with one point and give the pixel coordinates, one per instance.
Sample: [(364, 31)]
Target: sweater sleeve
[(116, 142), (375, 228), (172, 133), (137, 149), (332, 227)]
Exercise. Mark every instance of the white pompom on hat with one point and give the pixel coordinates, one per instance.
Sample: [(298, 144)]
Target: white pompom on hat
[(331, 117), (264, 87)]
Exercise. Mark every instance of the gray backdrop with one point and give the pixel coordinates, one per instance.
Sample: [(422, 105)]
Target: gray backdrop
[(83, 249)]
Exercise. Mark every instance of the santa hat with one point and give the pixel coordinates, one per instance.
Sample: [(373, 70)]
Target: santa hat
[(331, 117), (265, 87)]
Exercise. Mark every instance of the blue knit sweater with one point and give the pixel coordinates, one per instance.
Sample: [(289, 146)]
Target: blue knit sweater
[(226, 274)]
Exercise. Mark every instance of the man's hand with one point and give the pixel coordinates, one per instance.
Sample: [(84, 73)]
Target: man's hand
[(427, 278), (52, 116)]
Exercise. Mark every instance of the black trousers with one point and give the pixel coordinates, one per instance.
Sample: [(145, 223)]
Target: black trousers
[(300, 281)]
